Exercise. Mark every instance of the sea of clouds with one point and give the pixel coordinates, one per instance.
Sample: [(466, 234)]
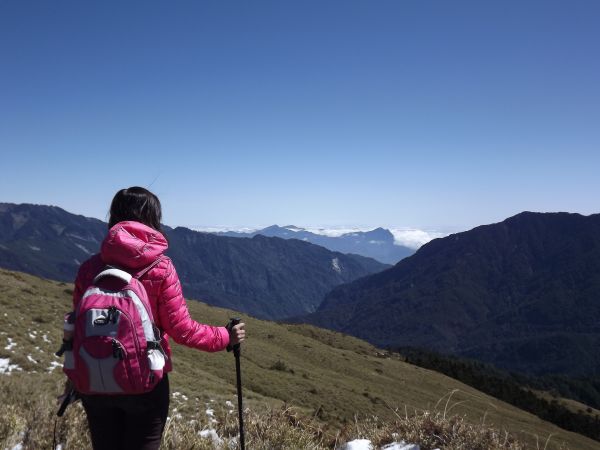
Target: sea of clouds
[(405, 236)]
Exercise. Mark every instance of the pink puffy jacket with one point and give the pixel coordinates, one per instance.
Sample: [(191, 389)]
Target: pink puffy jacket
[(134, 246)]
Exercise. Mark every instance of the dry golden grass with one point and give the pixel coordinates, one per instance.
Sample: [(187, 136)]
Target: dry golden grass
[(27, 417)]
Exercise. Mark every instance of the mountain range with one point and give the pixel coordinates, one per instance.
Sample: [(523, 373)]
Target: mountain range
[(378, 244), (266, 277), (523, 294)]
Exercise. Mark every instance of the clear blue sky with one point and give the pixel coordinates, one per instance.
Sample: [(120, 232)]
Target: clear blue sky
[(416, 113)]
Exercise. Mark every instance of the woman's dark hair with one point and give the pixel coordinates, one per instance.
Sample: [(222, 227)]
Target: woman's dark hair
[(137, 204)]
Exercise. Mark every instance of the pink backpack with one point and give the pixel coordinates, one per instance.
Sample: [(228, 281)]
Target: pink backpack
[(115, 346)]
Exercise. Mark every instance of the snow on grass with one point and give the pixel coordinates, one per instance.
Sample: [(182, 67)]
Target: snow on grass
[(211, 434), (210, 413), (54, 365), (179, 396), (357, 444), (365, 444), (11, 344), (30, 358), (7, 367), (45, 338), (401, 446)]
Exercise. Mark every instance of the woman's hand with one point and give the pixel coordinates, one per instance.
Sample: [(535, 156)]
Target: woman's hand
[(237, 334)]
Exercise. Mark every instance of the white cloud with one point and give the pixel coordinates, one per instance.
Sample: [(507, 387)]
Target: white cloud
[(408, 237), (225, 229), (415, 238)]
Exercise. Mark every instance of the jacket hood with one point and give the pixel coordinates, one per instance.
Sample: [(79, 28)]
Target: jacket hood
[(132, 245)]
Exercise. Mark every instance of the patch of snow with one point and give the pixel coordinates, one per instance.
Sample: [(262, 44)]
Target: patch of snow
[(212, 435), (210, 412), (76, 261), (31, 335), (83, 248), (7, 367), (18, 447), (31, 359), (335, 265), (34, 248), (54, 365), (401, 446), (10, 345), (229, 404), (365, 444), (45, 338), (357, 444)]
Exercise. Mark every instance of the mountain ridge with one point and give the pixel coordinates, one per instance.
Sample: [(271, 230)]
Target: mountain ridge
[(267, 277), (520, 294)]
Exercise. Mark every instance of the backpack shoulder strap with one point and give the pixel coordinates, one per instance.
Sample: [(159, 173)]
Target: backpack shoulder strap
[(143, 272)]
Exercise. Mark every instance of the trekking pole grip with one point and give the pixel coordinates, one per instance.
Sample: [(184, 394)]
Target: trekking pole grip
[(232, 323)]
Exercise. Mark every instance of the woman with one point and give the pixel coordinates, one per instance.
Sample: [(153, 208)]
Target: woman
[(134, 242)]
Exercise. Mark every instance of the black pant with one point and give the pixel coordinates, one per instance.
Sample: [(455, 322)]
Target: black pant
[(131, 422)]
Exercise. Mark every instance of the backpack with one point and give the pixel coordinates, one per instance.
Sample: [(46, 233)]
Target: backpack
[(115, 347)]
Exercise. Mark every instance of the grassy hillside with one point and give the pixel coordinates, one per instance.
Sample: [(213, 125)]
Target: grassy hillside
[(323, 374)]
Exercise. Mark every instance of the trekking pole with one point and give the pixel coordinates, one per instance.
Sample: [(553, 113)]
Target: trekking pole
[(236, 352), (69, 398)]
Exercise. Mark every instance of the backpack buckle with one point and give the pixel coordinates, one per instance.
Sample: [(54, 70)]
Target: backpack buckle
[(117, 349)]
